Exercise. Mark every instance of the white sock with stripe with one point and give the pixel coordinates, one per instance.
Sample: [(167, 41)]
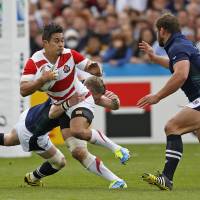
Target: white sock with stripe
[(101, 139), (96, 166)]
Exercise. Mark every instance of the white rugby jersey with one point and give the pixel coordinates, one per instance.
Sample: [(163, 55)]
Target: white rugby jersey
[(82, 75), (67, 83)]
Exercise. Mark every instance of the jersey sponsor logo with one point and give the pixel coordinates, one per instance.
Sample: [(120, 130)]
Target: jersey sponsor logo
[(79, 112), (174, 58), (66, 68)]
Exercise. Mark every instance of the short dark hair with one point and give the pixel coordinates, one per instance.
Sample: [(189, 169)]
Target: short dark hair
[(51, 29), (169, 22)]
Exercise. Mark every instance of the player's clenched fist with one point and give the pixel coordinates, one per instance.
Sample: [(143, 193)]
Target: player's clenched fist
[(114, 98)]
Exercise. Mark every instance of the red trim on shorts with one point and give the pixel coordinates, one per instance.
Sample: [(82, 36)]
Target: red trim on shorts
[(64, 83)]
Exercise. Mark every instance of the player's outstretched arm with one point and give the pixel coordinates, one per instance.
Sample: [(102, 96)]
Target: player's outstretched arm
[(181, 71), (109, 100), (161, 60)]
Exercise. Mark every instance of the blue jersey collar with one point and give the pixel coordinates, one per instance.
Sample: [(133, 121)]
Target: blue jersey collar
[(171, 39)]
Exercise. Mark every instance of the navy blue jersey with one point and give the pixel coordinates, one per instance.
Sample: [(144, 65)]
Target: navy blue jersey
[(37, 120), (179, 48)]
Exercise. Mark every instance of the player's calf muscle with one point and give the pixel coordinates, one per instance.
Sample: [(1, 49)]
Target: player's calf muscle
[(79, 153)]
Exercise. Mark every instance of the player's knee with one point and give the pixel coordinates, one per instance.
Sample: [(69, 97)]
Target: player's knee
[(171, 127), (58, 161), (79, 153), (77, 132), (62, 162)]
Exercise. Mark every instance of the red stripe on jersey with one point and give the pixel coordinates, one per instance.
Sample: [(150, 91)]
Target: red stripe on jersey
[(40, 63), (64, 83), (77, 56), (30, 67), (64, 97), (63, 59)]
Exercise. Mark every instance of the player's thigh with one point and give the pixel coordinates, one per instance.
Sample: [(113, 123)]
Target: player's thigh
[(81, 118), (78, 123), (185, 121)]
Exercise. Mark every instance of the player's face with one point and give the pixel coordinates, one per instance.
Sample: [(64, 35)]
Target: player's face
[(160, 38), (55, 44)]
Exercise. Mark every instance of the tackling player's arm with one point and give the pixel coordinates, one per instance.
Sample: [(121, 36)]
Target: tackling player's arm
[(109, 100), (28, 85), (161, 60), (57, 110)]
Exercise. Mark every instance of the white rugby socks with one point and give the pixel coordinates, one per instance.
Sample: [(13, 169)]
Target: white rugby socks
[(100, 139), (96, 166)]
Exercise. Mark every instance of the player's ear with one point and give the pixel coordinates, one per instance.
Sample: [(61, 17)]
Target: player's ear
[(45, 42), (161, 31)]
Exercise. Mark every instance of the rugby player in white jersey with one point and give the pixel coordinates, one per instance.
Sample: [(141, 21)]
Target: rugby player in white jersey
[(63, 63), (32, 129)]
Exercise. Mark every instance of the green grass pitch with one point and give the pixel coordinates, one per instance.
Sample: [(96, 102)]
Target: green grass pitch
[(75, 183)]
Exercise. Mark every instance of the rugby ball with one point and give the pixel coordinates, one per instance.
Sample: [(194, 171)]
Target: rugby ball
[(48, 84)]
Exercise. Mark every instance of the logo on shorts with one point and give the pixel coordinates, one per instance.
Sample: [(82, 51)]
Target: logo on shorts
[(196, 102), (79, 112), (66, 68)]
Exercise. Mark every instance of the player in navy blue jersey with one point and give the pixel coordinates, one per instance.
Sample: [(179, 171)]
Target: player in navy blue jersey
[(184, 64), (31, 131)]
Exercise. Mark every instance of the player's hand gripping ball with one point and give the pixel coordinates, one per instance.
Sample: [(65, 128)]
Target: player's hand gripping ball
[(49, 83)]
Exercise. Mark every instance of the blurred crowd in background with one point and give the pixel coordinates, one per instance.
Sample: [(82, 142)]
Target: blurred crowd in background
[(110, 30)]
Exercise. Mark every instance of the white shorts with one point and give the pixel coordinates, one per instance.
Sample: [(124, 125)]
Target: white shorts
[(194, 104), (87, 103), (24, 136)]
